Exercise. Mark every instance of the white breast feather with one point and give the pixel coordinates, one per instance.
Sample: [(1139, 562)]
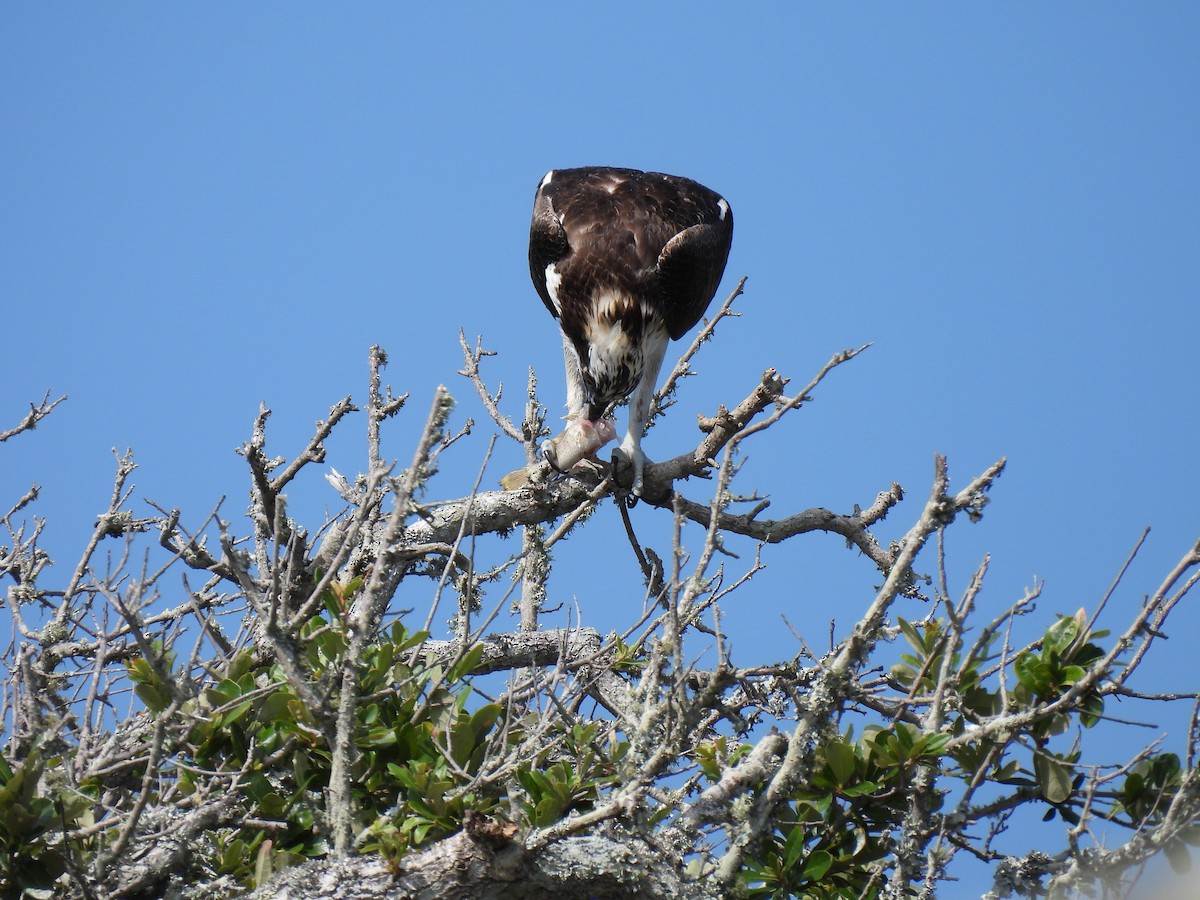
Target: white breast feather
[(608, 346), (610, 305)]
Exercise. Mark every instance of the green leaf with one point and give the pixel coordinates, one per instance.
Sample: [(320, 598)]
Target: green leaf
[(1032, 673), (1054, 778), (840, 757), (535, 783), (240, 665), (817, 864), (383, 736), (232, 857), (929, 745), (911, 635), (861, 789), (1059, 636), (273, 806), (820, 803), (1006, 771), (793, 847), (432, 675), (1093, 709), (547, 812), (232, 715), (907, 736), (1071, 674), (153, 695), (1135, 784), (484, 718), (262, 864), (274, 707), (468, 664), (1165, 768), (409, 641)]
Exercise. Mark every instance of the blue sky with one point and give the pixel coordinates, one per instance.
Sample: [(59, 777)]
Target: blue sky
[(205, 207)]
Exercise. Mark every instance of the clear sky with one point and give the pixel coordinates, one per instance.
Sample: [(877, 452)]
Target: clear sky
[(203, 207)]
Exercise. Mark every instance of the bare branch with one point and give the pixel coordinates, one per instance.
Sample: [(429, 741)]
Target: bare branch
[(37, 412), (664, 398), (471, 370)]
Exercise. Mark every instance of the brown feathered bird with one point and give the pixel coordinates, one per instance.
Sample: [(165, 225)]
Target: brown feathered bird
[(626, 261)]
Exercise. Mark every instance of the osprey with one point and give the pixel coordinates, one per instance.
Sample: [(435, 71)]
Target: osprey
[(626, 261)]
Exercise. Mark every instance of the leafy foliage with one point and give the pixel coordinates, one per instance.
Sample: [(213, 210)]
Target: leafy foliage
[(31, 858), (422, 738), (328, 727), (419, 745)]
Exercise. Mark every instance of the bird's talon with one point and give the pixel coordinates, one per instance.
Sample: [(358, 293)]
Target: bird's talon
[(637, 483), (550, 456), (625, 496)]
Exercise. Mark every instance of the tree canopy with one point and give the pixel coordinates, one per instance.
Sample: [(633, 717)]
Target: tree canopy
[(227, 704)]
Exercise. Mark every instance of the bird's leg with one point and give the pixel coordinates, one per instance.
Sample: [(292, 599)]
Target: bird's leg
[(583, 436), (574, 399), (654, 346), (574, 379)]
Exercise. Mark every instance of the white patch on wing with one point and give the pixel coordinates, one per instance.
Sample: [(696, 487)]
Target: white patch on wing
[(546, 180), (553, 280), (724, 207), (613, 181)]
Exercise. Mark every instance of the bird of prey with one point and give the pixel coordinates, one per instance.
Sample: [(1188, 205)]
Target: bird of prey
[(626, 261)]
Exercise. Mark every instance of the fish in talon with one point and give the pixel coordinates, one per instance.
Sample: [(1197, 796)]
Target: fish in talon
[(581, 438)]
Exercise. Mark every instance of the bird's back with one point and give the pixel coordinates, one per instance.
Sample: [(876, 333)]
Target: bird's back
[(661, 241)]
